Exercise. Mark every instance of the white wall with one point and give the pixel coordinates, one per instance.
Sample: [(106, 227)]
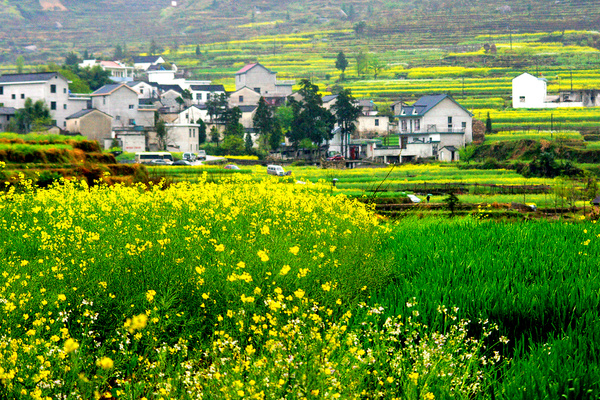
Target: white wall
[(122, 105), (528, 92)]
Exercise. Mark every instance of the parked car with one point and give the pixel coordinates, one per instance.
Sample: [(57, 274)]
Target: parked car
[(202, 155), (189, 156), (337, 157), (182, 162), (277, 170), (231, 166), (161, 162)]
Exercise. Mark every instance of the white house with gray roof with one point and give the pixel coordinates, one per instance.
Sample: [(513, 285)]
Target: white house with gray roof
[(6, 116), (50, 87), (122, 103), (431, 123), (263, 81)]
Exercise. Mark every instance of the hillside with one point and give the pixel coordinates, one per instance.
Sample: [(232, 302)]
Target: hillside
[(58, 26)]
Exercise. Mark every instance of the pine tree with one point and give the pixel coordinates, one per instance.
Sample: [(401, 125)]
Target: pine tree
[(488, 124), (341, 63)]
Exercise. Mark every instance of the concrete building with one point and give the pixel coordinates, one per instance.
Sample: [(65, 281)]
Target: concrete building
[(244, 97), (145, 90), (121, 101), (6, 116), (143, 63), (91, 123), (50, 87), (531, 92), (263, 81), (201, 93), (369, 126), (119, 71), (431, 123)]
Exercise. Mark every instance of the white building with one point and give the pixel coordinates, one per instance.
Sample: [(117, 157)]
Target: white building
[(145, 90), (121, 102), (262, 81), (119, 71), (50, 87), (531, 92), (143, 63), (431, 123), (202, 92)]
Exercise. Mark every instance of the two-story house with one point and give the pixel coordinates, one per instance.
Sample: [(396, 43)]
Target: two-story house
[(50, 87), (431, 123), (201, 93), (263, 81), (183, 130), (122, 103), (143, 63), (119, 71)]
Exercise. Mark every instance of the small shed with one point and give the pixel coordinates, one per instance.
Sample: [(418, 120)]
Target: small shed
[(596, 201), (448, 154)]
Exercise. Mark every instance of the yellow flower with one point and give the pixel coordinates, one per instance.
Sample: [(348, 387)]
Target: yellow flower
[(265, 230), (390, 379), (294, 250), (262, 254), (62, 297), (413, 376), (250, 350), (105, 363), (429, 396), (284, 270), (150, 295), (247, 299), (326, 287), (70, 345), (299, 293)]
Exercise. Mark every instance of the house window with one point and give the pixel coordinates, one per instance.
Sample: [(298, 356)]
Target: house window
[(118, 117), (23, 95), (257, 89), (64, 106), (404, 127), (104, 101), (199, 96), (241, 99), (131, 106), (189, 133), (53, 105), (449, 124), (464, 126), (1, 90), (52, 88), (449, 120), (141, 91), (65, 90), (132, 122), (14, 96), (417, 124), (522, 99), (376, 122)]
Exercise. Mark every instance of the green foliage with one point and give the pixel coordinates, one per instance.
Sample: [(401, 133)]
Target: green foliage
[(95, 76), (201, 131), (488, 124), (162, 135), (233, 144), (32, 117), (346, 113), (341, 62), (263, 122), (451, 202), (215, 135)]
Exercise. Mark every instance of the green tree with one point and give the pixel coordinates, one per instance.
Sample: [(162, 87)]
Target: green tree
[(360, 27), (248, 142), (201, 131), (232, 123), (76, 84), (198, 52), (341, 63), (72, 60), (233, 145), (217, 106), (95, 77), (451, 202), (488, 124), (276, 135), (362, 62), (263, 122), (162, 135), (20, 63), (310, 119), (376, 65), (346, 113), (215, 135), (118, 52), (33, 116), (153, 49)]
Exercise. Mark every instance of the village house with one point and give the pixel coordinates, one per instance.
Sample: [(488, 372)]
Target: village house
[(431, 123), (50, 87), (6, 116), (263, 81), (202, 92), (121, 102), (143, 63), (183, 130), (244, 97), (145, 89), (119, 71), (91, 123), (531, 92)]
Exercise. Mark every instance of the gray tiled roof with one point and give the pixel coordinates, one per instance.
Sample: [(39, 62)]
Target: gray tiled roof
[(247, 109), (35, 77), (145, 59), (7, 110), (426, 103), (81, 113), (208, 88), (329, 97), (107, 89)]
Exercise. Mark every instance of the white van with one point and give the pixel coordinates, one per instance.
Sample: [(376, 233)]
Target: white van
[(277, 170), (189, 156), (202, 155)]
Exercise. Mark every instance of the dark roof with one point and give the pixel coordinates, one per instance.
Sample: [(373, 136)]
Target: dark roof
[(7, 110), (426, 103), (247, 109), (451, 148), (329, 97), (208, 88), (135, 83), (166, 88), (15, 78), (147, 101), (107, 89), (81, 113), (145, 59)]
